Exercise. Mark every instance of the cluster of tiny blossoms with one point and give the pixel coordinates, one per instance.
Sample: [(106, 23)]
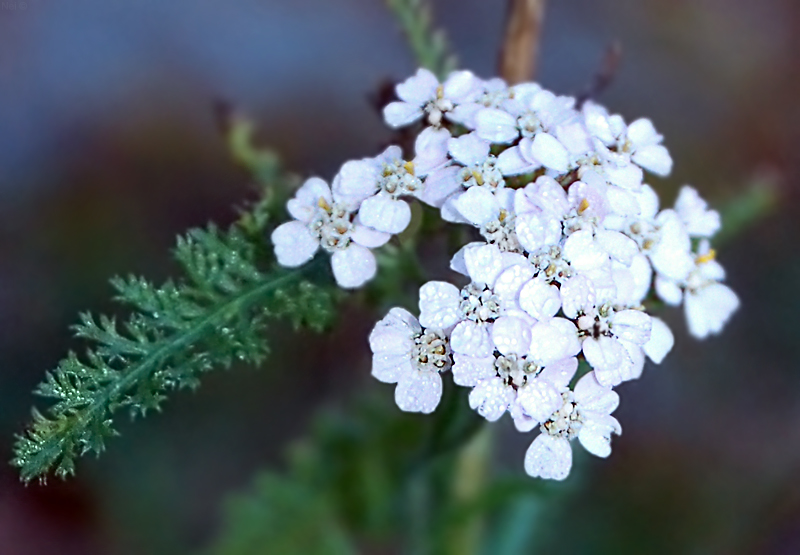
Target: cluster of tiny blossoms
[(574, 241)]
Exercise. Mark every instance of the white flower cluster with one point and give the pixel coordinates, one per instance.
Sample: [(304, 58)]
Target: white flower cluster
[(573, 243)]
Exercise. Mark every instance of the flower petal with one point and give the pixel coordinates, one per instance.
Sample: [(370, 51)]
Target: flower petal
[(661, 341), (595, 397), (419, 88), (306, 200), (439, 305), (353, 266), (469, 371), (484, 263), (400, 114), (550, 152), (595, 434), (469, 149), (540, 299), (496, 126), (385, 214), (478, 205), (549, 457), (470, 338), (418, 391), (554, 340), (631, 325), (294, 244), (540, 399), (511, 335), (491, 398)]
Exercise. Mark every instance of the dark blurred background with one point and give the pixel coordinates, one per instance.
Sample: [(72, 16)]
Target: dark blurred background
[(109, 147)]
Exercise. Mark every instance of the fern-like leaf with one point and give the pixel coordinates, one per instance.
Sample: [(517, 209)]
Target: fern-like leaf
[(428, 44), (215, 316)]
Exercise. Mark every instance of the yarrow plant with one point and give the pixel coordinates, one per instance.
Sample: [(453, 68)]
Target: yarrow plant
[(573, 247), (560, 253)]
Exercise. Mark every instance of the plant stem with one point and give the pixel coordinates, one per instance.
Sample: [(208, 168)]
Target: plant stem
[(521, 45), (469, 481)]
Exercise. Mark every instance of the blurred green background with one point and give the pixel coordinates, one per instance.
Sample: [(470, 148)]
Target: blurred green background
[(109, 148)]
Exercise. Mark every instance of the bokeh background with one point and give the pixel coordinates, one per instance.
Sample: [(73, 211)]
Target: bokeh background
[(109, 147)]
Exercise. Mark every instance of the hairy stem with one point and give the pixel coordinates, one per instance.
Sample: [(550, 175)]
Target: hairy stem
[(521, 45)]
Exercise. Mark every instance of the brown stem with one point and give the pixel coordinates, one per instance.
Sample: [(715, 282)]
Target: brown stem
[(521, 46)]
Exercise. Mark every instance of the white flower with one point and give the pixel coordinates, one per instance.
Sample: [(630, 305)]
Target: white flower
[(542, 150), (613, 341), (693, 210), (422, 95), (532, 111), (412, 357), (585, 414), (639, 140), (473, 309), (492, 214), (662, 236), (321, 220), (375, 184), (708, 303), (475, 168), (494, 93)]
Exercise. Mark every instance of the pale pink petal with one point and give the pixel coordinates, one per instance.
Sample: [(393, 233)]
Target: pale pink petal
[(654, 158), (583, 252), (595, 397), (560, 372), (462, 86), (353, 266), (484, 263), (478, 205), (540, 399), (540, 299), (418, 391), (631, 325), (491, 398), (642, 133), (509, 283), (660, 343), (470, 338), (512, 162), (400, 114), (618, 246), (595, 435), (537, 229), (469, 371), (554, 340), (385, 214), (468, 149), (496, 126), (549, 457), (439, 305), (418, 89), (577, 295), (511, 335), (306, 200), (440, 185), (357, 180), (431, 151), (294, 244), (668, 291), (709, 309), (368, 237), (549, 152)]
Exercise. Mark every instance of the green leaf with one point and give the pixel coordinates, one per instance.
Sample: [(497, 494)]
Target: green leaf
[(281, 516), (428, 44), (215, 316)]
